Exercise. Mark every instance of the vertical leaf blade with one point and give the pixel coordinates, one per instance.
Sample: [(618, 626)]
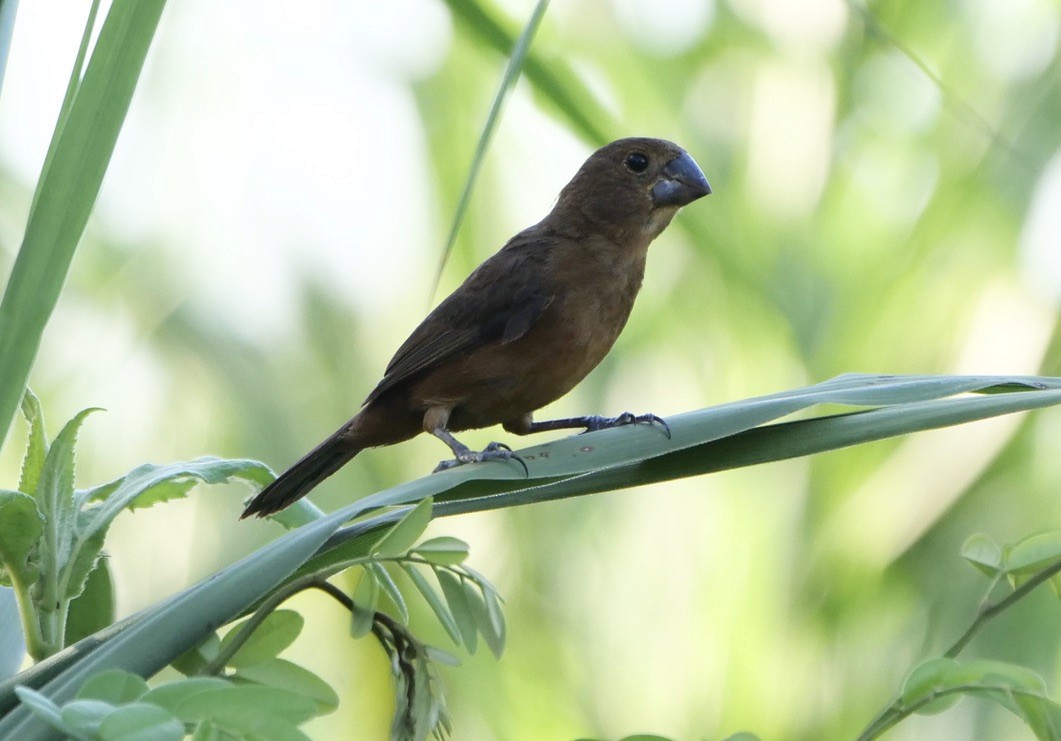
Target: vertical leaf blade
[(67, 191)]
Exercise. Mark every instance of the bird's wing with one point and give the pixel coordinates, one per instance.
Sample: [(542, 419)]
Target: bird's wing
[(499, 302)]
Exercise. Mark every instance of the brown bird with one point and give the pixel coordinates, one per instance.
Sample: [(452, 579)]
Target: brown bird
[(526, 326)]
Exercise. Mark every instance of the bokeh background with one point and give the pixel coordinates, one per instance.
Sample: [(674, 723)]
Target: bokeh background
[(887, 199)]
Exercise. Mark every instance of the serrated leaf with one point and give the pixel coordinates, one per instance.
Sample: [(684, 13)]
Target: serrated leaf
[(36, 444), (983, 553), (140, 721), (293, 678), (396, 541), (383, 579), (83, 555), (21, 527), (459, 608), (435, 602), (277, 631), (93, 609), (115, 686), (444, 550), (366, 600), (55, 500), (925, 681), (492, 633)]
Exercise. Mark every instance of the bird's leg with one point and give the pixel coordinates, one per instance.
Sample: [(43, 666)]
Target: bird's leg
[(435, 423), (526, 426)]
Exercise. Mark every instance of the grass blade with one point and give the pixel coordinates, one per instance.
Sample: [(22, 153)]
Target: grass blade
[(68, 188)]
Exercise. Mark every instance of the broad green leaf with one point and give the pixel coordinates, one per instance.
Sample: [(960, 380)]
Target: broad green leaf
[(444, 550), (93, 609), (21, 527), (277, 631), (435, 602), (233, 700), (925, 682), (140, 721), (1034, 553), (492, 633), (85, 716), (405, 533), (983, 553), (114, 686), (383, 579), (36, 445), (366, 601), (66, 192), (293, 678), (249, 723), (462, 613), (175, 695)]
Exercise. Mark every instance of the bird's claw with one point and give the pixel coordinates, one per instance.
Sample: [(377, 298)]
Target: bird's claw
[(493, 451), (626, 418)]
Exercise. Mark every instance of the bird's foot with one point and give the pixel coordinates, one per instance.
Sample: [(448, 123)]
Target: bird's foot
[(493, 451), (597, 422)]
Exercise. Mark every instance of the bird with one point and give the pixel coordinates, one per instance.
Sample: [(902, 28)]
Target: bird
[(526, 326)]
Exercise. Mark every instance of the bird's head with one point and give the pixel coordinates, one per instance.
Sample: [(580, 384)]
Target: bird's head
[(634, 185)]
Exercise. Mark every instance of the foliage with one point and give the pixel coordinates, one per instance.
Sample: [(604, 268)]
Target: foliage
[(892, 254)]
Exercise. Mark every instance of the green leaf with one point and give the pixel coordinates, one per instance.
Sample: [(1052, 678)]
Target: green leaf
[(1033, 553), (66, 192), (293, 678), (441, 657), (21, 527), (114, 686), (405, 532), (84, 553), (277, 631), (193, 660), (492, 632), (366, 601), (434, 602), (249, 723), (41, 706), (1042, 715), (140, 722), (36, 445), (459, 608), (386, 583), (175, 695), (925, 682), (994, 674), (233, 701), (444, 550), (93, 609), (983, 553), (85, 716)]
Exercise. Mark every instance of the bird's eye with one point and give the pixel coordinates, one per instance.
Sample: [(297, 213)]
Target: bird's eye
[(636, 162)]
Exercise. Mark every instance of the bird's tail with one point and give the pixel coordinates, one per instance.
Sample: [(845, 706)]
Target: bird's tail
[(297, 481)]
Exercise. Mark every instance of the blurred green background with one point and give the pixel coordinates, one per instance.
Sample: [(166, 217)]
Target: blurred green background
[(887, 199)]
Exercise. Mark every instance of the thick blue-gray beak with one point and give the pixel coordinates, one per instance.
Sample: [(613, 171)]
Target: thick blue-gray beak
[(680, 183)]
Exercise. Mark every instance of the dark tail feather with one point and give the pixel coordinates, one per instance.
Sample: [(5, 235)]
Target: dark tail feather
[(297, 481)]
